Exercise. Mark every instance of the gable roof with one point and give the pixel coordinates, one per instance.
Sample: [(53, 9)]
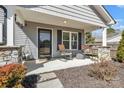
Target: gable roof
[(104, 14)]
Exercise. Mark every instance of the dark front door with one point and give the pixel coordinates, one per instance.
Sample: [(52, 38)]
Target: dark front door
[(44, 43)]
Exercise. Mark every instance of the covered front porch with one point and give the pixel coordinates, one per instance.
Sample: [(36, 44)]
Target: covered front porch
[(25, 23), (58, 30)]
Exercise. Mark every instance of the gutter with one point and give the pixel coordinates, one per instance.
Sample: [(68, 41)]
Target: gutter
[(110, 16), (104, 14)]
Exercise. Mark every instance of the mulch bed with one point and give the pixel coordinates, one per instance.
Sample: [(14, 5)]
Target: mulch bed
[(78, 78)]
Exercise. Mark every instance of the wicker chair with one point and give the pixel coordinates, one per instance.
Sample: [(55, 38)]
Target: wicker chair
[(63, 52)]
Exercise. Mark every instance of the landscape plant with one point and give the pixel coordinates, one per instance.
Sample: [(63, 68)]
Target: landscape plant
[(103, 70), (120, 50), (11, 75), (89, 38)]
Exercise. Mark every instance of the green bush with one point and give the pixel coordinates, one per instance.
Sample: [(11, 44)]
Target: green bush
[(120, 51), (11, 75), (103, 70)]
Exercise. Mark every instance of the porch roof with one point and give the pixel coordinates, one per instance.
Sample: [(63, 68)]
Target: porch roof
[(31, 14)]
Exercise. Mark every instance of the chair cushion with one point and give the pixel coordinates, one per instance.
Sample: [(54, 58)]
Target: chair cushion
[(61, 47)]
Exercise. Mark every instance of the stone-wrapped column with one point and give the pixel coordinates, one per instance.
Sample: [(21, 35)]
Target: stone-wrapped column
[(104, 54)]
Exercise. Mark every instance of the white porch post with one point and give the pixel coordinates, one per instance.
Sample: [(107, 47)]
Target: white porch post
[(10, 25), (104, 37)]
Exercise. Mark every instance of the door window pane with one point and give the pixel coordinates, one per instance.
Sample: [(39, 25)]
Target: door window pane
[(44, 43), (45, 39)]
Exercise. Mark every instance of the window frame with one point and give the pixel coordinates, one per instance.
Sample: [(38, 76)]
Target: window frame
[(70, 39)]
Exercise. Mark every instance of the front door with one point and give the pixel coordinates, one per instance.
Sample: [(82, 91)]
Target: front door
[(44, 43)]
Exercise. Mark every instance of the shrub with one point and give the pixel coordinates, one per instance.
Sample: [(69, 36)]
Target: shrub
[(30, 81), (11, 75), (103, 70), (120, 51)]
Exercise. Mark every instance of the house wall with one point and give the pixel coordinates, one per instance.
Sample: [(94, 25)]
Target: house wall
[(3, 23), (82, 13), (1, 15), (28, 36)]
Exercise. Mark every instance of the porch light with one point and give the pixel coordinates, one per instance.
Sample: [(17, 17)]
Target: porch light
[(65, 22)]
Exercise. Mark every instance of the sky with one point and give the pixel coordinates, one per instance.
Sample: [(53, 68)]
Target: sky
[(117, 12)]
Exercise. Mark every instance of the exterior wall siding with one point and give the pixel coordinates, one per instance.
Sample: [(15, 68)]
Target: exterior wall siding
[(3, 20), (30, 34), (26, 38), (79, 12), (1, 15)]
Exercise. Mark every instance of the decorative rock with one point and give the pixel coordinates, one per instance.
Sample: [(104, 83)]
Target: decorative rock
[(80, 56)]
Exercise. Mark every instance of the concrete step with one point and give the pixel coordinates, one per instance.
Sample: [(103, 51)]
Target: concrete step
[(49, 80), (55, 83), (47, 76)]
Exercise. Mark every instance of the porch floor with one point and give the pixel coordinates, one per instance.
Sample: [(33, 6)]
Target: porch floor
[(35, 67)]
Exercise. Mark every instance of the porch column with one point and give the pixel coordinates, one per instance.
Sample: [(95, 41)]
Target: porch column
[(104, 37), (104, 50), (10, 25)]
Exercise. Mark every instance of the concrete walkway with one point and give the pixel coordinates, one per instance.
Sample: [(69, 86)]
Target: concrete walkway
[(49, 80), (59, 64)]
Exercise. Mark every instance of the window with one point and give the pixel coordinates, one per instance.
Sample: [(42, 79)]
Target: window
[(70, 40), (66, 39)]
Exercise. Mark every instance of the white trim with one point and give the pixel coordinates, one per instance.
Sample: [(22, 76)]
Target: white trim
[(70, 33), (104, 37), (112, 20), (1, 33), (104, 13), (10, 25), (38, 27)]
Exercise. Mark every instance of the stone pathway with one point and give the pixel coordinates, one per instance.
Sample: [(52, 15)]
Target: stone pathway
[(49, 80)]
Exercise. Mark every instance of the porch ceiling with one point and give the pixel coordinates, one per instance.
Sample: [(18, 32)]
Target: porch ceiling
[(33, 16)]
